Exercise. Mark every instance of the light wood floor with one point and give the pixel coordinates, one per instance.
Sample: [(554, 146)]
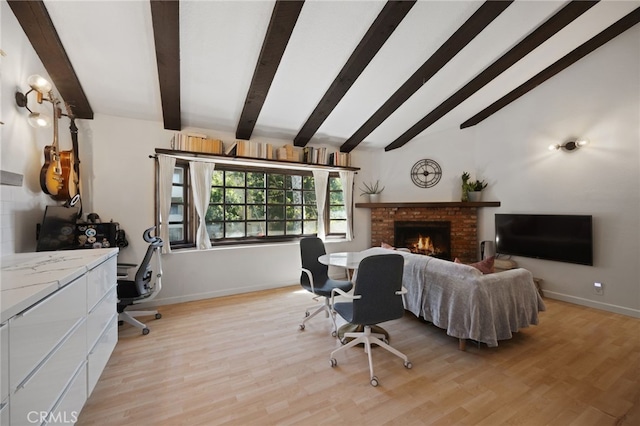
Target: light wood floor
[(241, 360)]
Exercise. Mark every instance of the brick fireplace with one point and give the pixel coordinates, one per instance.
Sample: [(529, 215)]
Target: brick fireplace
[(463, 219)]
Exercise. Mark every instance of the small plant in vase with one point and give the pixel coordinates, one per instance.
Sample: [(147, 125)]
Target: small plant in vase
[(371, 191), (471, 189)]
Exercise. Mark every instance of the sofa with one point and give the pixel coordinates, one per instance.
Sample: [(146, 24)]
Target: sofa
[(465, 302)]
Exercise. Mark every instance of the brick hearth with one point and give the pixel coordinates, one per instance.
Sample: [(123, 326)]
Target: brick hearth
[(464, 226)]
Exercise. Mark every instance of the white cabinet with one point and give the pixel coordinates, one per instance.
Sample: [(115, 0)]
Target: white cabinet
[(43, 388), (4, 369), (101, 279), (68, 408), (39, 329), (100, 353), (55, 346)]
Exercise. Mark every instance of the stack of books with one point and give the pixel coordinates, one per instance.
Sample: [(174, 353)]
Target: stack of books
[(313, 155), (196, 142), (340, 159), (251, 149), (289, 153)]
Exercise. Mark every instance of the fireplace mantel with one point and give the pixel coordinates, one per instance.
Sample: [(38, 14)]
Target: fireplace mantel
[(432, 204)]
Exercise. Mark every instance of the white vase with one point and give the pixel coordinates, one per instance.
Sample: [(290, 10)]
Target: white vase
[(374, 198), (475, 196)]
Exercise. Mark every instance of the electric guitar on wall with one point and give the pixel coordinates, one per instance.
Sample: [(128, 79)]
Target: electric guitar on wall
[(70, 164), (51, 172)]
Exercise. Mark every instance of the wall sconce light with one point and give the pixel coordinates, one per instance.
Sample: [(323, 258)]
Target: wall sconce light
[(41, 86), (569, 146)]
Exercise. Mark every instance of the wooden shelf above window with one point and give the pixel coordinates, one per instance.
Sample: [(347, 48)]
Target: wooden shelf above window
[(433, 204), (250, 161)]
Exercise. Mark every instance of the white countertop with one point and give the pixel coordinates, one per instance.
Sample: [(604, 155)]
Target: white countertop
[(26, 278)]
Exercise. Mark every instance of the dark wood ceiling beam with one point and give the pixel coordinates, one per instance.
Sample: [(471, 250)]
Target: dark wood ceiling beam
[(575, 55), (283, 20), (482, 17), (165, 15), (541, 34), (385, 24), (37, 25)]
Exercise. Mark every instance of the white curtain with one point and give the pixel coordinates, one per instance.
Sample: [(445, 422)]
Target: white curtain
[(346, 178), (201, 173), (166, 165), (321, 179)]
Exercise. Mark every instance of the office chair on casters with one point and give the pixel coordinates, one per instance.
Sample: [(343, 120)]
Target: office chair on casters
[(377, 297), (142, 288), (315, 277)]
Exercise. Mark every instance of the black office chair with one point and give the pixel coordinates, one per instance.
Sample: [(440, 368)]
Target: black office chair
[(142, 288), (377, 297), (315, 277)]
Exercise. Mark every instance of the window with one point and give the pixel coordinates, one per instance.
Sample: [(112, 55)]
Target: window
[(255, 204)]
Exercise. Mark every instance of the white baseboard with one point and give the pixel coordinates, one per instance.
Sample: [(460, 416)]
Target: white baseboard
[(593, 304), (159, 301)]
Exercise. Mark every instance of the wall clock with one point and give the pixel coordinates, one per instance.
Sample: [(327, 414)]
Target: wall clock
[(426, 173)]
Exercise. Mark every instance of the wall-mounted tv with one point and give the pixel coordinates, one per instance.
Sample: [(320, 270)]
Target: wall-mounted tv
[(564, 238)]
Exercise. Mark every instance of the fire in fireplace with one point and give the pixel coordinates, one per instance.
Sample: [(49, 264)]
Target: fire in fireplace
[(430, 238)]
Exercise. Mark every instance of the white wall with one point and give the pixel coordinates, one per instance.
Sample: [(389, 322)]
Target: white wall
[(21, 146), (122, 189), (598, 98)]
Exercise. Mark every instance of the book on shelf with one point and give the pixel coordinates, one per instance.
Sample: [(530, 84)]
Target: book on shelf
[(196, 142), (231, 148), (342, 159), (312, 155)]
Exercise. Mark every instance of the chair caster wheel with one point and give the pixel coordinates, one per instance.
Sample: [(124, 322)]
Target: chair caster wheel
[(145, 331), (343, 341), (374, 381), (158, 315), (301, 326), (408, 365), (334, 334), (333, 362), (306, 314)]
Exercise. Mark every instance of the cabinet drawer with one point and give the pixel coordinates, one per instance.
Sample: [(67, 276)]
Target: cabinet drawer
[(4, 361), (68, 408), (36, 331), (101, 352), (43, 388), (100, 280), (100, 316)]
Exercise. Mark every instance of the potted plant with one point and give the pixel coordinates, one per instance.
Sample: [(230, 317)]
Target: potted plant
[(471, 189), (372, 191)]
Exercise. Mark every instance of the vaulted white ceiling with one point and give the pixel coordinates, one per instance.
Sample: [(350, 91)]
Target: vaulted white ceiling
[(111, 47)]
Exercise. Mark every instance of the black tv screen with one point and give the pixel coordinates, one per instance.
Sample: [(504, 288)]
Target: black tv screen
[(564, 238)]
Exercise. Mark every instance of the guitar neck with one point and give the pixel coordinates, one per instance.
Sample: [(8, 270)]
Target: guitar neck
[(56, 114)]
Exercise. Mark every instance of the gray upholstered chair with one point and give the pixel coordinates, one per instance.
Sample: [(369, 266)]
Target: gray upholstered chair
[(377, 297), (315, 277)]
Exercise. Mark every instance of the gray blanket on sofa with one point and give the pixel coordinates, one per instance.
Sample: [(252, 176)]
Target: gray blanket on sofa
[(466, 303)]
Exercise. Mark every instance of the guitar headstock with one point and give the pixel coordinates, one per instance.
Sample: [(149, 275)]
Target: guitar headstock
[(69, 110), (72, 117)]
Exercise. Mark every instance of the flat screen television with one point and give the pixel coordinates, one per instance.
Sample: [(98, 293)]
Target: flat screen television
[(564, 238)]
